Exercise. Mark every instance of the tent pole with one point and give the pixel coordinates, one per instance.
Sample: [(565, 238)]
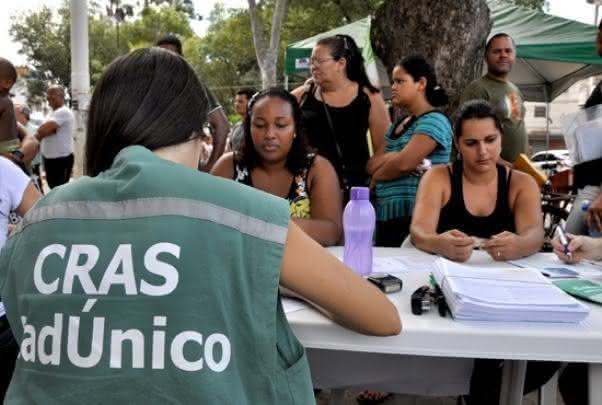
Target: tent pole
[(547, 125), (545, 94)]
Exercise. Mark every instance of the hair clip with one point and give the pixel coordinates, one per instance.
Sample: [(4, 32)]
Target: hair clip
[(252, 99), (344, 38)]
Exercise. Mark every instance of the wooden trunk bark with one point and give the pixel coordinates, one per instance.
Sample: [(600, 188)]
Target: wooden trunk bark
[(451, 33), (267, 56)]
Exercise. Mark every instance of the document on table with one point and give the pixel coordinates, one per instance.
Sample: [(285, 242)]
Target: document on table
[(504, 294), (554, 266), (422, 262), (399, 264)]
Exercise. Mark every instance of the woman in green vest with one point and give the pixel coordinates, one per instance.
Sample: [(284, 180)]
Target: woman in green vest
[(150, 282)]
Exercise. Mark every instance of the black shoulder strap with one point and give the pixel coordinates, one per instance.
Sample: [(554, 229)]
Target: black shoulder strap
[(312, 88), (336, 142)]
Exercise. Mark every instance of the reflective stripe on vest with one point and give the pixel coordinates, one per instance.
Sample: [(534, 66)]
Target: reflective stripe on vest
[(156, 207)]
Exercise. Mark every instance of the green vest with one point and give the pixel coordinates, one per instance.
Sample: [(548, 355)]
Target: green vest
[(151, 283)]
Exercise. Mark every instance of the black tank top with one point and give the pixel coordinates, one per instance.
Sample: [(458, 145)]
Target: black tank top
[(351, 124), (454, 214)]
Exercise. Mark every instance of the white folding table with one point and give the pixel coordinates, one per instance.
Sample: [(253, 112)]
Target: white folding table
[(437, 341)]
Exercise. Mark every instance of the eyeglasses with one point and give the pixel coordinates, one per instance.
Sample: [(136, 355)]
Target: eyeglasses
[(318, 62)]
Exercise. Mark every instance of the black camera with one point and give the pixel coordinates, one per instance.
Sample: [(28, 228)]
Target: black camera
[(425, 297), (385, 282)]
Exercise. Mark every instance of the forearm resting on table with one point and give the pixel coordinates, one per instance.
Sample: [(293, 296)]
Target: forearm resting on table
[(427, 241), (531, 240), (369, 311), (323, 231), (313, 273)]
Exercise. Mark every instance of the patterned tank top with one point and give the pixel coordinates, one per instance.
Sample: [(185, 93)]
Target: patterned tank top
[(298, 193)]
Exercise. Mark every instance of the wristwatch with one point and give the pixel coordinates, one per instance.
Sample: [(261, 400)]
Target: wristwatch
[(18, 155)]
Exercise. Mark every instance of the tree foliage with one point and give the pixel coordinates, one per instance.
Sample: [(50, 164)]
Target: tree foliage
[(44, 37), (45, 42), (534, 4), (182, 6), (224, 58)]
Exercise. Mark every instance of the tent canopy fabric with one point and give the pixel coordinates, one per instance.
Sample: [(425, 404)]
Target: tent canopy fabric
[(552, 52)]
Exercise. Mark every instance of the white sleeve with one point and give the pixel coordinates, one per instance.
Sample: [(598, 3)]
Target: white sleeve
[(60, 116), (13, 181)]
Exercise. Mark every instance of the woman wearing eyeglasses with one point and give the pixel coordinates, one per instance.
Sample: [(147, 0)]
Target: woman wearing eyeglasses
[(339, 106)]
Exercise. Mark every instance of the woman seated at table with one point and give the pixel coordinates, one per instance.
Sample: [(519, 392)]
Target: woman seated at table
[(274, 158), (477, 201)]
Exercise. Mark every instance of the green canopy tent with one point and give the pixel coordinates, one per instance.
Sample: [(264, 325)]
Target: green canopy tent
[(552, 52)]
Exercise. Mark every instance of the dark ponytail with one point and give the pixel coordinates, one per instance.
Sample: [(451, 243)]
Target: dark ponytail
[(417, 66), (343, 46)]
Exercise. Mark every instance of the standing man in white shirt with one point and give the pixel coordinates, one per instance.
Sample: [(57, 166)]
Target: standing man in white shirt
[(56, 139)]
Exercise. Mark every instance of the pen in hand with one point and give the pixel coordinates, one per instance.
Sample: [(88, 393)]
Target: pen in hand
[(563, 240)]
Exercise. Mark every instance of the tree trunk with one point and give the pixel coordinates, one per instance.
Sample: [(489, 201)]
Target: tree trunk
[(450, 33), (267, 58)]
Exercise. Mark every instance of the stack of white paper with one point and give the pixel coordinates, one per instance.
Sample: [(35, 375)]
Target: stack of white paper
[(504, 294)]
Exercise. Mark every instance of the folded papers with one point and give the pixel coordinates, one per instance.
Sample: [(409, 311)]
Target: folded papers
[(504, 294)]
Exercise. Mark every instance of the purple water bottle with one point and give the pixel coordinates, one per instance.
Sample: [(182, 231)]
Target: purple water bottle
[(593, 231), (359, 220)]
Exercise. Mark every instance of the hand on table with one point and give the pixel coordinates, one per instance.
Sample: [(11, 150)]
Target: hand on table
[(580, 247), (456, 245), (503, 246)]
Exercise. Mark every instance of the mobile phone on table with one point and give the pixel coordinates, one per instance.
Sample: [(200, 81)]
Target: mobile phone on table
[(385, 282)]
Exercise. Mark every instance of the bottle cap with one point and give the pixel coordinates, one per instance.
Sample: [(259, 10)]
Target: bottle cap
[(360, 193)]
